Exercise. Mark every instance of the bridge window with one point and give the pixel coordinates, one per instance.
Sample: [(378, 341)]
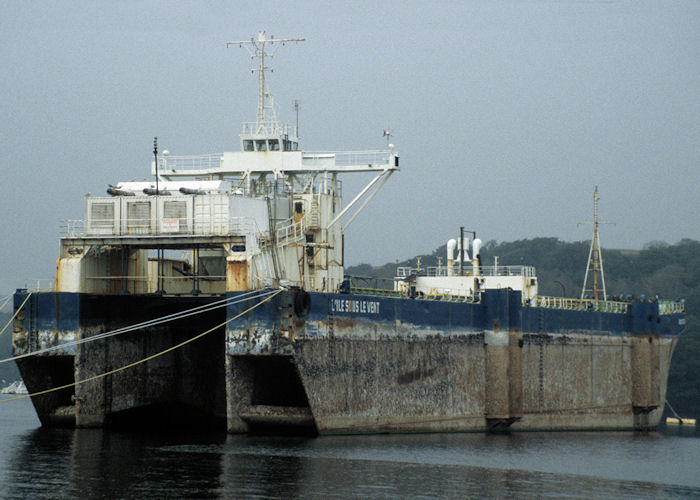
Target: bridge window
[(274, 145), (261, 145), (248, 146)]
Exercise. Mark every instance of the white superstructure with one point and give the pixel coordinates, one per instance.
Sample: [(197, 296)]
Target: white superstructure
[(224, 222)]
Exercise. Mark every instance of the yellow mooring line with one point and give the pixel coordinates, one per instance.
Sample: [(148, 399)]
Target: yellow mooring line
[(16, 313), (130, 365)]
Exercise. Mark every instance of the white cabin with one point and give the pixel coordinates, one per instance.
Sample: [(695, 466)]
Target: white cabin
[(464, 278)]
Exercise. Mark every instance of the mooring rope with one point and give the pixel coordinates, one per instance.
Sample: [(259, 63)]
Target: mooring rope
[(4, 301), (673, 411), (138, 326), (16, 313), (144, 360)]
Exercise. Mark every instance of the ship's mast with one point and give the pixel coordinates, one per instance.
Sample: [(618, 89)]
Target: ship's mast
[(260, 48), (595, 256), (299, 169)]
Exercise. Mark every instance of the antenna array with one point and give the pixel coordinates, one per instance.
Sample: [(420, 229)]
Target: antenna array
[(261, 48)]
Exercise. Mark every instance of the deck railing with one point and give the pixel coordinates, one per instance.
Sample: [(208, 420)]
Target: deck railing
[(571, 304), (582, 304), (525, 271), (671, 306), (614, 306), (351, 158), (291, 232), (191, 162), (192, 226), (40, 284)]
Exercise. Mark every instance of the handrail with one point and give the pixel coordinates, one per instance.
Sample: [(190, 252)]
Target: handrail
[(671, 306), (382, 292), (350, 158), (191, 162), (40, 284), (274, 129), (572, 304), (164, 226), (342, 158), (291, 232), (519, 270), (170, 277), (614, 306)]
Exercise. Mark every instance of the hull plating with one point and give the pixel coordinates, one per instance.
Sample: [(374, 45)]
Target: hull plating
[(337, 363), (186, 385), (377, 364)]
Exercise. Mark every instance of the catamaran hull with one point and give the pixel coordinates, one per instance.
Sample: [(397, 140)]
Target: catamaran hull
[(179, 388), (340, 363), (366, 364)]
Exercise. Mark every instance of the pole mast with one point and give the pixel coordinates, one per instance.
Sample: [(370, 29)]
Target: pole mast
[(258, 48), (595, 256)]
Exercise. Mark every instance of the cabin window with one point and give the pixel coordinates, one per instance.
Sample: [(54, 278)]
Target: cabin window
[(261, 145), (274, 145), (248, 146)]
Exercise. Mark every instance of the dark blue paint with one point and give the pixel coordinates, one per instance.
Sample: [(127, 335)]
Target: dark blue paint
[(57, 311), (65, 312), (500, 309)]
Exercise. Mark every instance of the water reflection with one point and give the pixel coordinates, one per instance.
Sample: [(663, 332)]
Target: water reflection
[(91, 463), (425, 466), (49, 463)]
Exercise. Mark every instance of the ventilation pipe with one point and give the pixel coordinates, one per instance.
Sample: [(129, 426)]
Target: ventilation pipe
[(476, 262), (451, 245), (464, 250)]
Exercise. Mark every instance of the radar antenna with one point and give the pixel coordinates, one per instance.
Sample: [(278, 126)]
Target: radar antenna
[(595, 257), (258, 48)]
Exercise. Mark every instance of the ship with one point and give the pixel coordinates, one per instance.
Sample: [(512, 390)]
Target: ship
[(214, 295)]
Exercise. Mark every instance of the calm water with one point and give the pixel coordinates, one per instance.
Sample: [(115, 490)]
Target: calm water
[(39, 463)]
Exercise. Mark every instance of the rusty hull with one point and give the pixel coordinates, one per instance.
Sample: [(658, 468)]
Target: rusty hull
[(362, 374), (183, 387)]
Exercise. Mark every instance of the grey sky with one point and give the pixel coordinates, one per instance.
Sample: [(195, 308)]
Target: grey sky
[(506, 114)]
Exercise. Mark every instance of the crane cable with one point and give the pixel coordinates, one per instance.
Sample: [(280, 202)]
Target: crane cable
[(153, 356)]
